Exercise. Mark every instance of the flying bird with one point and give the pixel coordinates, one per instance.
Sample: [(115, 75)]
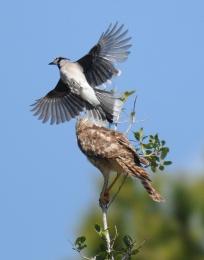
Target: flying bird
[(78, 88), (110, 151)]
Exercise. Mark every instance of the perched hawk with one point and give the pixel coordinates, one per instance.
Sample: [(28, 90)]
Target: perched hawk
[(78, 86), (110, 150)]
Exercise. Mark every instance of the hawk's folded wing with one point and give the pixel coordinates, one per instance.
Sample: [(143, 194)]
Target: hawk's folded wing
[(101, 142), (59, 105), (111, 48)]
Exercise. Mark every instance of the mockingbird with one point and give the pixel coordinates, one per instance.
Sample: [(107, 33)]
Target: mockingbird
[(78, 86)]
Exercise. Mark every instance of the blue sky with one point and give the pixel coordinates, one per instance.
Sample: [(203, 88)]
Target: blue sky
[(46, 184)]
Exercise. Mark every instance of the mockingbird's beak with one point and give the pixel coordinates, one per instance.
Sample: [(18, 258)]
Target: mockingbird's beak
[(52, 63)]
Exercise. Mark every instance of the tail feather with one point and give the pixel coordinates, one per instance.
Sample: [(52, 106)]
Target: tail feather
[(96, 115), (140, 173), (109, 104), (151, 191)]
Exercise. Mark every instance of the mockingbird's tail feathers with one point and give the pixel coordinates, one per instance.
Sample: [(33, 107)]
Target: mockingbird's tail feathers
[(110, 104), (108, 110)]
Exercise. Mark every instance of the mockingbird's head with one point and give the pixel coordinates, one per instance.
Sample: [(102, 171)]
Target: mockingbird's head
[(58, 61)]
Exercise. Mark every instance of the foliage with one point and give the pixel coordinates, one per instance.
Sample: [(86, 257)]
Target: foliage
[(173, 230), (124, 97), (129, 247), (153, 149), (79, 244)]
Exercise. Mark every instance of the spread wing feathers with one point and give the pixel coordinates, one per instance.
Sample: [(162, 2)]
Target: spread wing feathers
[(114, 43), (132, 169), (59, 105), (111, 48), (62, 104)]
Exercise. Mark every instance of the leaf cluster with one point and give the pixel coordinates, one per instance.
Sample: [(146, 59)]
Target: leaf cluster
[(152, 149), (124, 97), (129, 248), (80, 244)]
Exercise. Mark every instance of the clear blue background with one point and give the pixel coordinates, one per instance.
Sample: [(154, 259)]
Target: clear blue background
[(46, 184)]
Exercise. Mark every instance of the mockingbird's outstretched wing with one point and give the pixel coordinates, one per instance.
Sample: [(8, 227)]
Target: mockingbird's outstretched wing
[(59, 105), (64, 103), (111, 48)]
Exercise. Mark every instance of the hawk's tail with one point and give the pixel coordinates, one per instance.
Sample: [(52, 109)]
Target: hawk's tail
[(140, 173), (151, 191)]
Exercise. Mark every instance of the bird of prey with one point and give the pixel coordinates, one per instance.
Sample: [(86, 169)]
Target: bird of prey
[(78, 88), (110, 151)]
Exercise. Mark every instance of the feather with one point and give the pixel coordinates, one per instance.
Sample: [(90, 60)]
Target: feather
[(112, 47)]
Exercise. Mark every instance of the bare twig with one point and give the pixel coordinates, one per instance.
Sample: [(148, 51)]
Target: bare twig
[(83, 256), (132, 117), (128, 253), (87, 258), (115, 237)]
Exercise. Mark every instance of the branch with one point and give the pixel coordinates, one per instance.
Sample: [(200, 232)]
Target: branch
[(106, 230), (132, 117)]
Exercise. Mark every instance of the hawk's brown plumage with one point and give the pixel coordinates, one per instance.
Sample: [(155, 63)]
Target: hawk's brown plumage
[(110, 150)]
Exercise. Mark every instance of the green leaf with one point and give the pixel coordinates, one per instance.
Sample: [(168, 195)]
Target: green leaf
[(80, 240), (102, 247), (141, 133), (134, 252), (126, 95), (101, 255), (157, 158), (167, 162), (154, 160), (127, 240), (97, 228), (153, 168), (163, 142), (156, 137), (164, 152), (137, 136), (161, 167), (148, 146), (82, 247)]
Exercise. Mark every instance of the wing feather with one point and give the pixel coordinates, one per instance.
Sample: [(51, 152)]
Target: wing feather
[(111, 48), (59, 105)]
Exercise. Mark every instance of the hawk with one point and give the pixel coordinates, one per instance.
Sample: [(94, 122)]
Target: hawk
[(78, 86), (111, 151)]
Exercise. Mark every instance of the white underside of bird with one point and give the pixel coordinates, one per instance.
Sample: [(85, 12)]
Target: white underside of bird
[(73, 71)]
